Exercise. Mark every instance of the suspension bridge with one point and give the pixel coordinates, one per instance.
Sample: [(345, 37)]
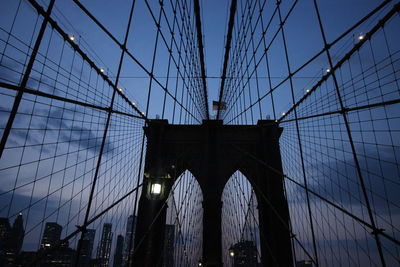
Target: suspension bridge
[(193, 133)]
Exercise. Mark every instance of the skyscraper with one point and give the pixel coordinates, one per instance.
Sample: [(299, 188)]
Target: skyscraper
[(169, 239), (129, 237), (118, 251), (244, 254), (89, 236), (5, 229), (86, 247), (17, 234), (11, 239), (51, 235), (104, 247)]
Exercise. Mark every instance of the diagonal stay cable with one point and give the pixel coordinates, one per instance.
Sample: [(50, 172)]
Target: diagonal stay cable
[(128, 53), (68, 100), (80, 228), (264, 197), (227, 49), (369, 15), (355, 48), (356, 218), (201, 52), (75, 46)]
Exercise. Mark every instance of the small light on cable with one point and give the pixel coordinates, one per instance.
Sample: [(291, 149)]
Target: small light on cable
[(283, 113), (71, 37), (328, 70), (308, 90), (120, 89), (102, 70), (361, 37)]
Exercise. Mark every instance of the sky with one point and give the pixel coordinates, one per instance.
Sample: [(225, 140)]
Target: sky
[(54, 146)]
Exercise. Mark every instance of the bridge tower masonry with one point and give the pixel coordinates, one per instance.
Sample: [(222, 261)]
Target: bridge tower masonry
[(212, 152)]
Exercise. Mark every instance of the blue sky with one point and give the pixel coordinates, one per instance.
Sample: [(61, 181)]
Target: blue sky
[(32, 157)]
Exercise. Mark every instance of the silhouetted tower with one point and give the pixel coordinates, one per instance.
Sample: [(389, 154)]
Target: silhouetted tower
[(51, 235), (11, 240), (244, 254), (212, 152), (5, 229), (104, 247), (129, 237), (87, 247), (168, 255), (17, 234), (118, 251)]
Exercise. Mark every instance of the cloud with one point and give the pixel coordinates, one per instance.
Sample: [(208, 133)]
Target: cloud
[(337, 180), (59, 126)]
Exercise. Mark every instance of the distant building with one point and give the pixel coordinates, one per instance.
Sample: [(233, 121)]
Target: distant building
[(244, 253), (169, 239), (51, 235), (5, 229), (86, 247), (104, 247), (89, 236), (11, 239), (118, 251), (304, 263), (129, 238), (26, 258), (17, 234), (63, 256)]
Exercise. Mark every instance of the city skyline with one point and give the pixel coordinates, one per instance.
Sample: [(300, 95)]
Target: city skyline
[(271, 122), (54, 249)]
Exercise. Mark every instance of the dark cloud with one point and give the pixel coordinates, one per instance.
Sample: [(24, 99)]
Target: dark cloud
[(61, 130), (71, 132), (36, 211), (337, 180)]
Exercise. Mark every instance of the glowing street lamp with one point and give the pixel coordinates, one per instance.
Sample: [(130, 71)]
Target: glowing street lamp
[(155, 189)]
